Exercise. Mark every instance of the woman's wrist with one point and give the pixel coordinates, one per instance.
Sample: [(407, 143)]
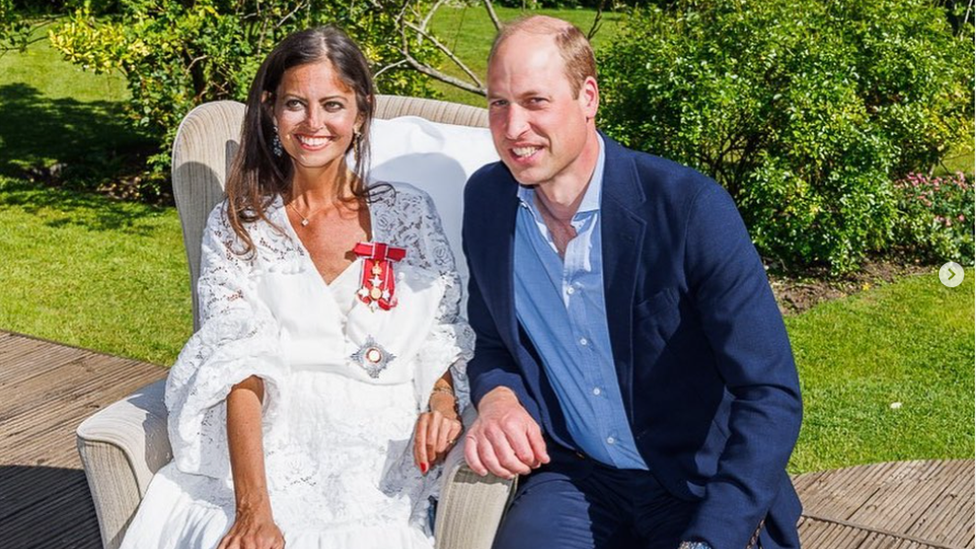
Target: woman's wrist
[(444, 402)]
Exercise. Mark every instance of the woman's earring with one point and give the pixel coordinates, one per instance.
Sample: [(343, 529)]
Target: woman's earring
[(357, 140), (276, 147)]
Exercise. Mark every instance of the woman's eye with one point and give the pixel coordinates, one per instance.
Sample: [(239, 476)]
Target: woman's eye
[(293, 104), (333, 106)]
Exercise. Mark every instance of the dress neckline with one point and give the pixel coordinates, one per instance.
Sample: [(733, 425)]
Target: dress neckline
[(279, 204)]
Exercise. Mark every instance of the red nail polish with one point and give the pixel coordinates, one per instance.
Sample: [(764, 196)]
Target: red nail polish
[(423, 468)]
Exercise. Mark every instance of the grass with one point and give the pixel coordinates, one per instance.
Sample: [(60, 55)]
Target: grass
[(962, 158), (911, 343), (468, 31), (55, 112), (92, 272), (80, 268)]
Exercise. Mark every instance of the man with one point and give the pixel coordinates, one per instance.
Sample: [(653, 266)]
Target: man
[(631, 362)]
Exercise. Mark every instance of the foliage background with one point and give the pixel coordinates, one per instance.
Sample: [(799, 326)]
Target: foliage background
[(176, 55), (806, 112)]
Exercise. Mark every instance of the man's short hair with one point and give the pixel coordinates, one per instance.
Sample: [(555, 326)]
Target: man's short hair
[(573, 45)]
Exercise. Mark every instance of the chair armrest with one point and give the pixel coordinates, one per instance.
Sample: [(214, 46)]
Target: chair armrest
[(470, 507), (121, 448)]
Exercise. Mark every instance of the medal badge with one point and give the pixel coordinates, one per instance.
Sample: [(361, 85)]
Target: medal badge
[(372, 357), (378, 285)]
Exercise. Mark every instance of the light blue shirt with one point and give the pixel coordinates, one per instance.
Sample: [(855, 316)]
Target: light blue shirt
[(560, 303)]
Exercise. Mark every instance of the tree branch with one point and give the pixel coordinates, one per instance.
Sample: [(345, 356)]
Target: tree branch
[(290, 15), (491, 13), (447, 51), (446, 78), (596, 21), (430, 15)]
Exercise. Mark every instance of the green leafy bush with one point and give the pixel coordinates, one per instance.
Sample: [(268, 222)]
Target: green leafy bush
[(935, 216), (178, 54), (804, 111), (14, 29)]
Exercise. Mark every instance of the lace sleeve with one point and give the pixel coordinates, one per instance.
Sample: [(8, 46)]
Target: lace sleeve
[(417, 227), (238, 338)]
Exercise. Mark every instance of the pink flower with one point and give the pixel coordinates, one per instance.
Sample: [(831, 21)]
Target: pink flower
[(961, 218)]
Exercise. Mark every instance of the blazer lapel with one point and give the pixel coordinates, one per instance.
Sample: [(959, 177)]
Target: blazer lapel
[(498, 258), (623, 240)]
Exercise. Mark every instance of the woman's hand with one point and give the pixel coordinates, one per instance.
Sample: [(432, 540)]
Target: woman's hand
[(437, 432), (253, 527), (253, 530)]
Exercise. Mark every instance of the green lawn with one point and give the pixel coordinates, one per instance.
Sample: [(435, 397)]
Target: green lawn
[(80, 268), (93, 272), (468, 32), (911, 343), (54, 112)]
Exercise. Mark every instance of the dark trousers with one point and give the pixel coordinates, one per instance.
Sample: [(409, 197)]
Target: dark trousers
[(576, 503)]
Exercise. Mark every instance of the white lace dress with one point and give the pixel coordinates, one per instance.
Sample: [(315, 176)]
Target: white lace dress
[(337, 441)]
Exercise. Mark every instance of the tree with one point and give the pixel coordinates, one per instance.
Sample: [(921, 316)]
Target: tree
[(176, 54), (14, 29), (419, 28)]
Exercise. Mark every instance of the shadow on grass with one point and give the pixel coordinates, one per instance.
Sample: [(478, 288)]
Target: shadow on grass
[(65, 207), (86, 137)]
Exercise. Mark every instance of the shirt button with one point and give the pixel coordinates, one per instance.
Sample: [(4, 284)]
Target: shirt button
[(596, 391), (570, 290), (583, 341), (610, 440)]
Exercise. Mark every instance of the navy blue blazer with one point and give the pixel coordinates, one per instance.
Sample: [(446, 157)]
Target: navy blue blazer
[(700, 349)]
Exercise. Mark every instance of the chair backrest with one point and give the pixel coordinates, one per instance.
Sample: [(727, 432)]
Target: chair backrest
[(208, 138)]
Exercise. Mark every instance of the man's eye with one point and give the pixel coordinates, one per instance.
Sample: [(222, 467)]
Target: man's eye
[(498, 103)]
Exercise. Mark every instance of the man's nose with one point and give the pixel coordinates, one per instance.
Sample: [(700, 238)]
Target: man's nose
[(516, 122)]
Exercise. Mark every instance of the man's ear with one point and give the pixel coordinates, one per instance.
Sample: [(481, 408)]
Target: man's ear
[(590, 97)]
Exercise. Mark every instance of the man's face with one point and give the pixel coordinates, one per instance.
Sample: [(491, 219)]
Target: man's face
[(538, 126)]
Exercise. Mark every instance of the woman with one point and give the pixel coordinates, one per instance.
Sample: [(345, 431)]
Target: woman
[(329, 321)]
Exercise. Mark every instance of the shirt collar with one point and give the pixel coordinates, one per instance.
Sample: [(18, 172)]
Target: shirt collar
[(591, 199)]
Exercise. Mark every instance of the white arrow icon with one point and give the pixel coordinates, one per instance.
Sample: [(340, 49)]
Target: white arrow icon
[(951, 274)]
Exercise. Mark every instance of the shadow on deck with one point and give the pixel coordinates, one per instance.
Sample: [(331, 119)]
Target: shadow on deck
[(47, 389)]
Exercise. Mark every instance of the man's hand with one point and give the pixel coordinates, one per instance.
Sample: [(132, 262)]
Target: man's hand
[(504, 440)]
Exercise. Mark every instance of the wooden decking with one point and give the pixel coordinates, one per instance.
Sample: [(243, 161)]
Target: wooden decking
[(47, 389)]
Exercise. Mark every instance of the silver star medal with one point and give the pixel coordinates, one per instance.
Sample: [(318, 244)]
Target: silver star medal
[(372, 357)]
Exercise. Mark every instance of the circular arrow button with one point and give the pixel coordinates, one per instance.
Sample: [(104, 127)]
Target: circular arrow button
[(951, 274)]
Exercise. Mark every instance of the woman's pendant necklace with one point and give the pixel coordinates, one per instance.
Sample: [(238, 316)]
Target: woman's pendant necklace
[(305, 220)]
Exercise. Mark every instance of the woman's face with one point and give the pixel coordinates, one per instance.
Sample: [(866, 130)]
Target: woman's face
[(316, 115)]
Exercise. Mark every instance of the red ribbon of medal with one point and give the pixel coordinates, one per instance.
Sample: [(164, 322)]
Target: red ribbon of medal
[(378, 283)]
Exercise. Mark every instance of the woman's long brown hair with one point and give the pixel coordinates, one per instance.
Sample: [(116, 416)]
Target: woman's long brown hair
[(257, 176)]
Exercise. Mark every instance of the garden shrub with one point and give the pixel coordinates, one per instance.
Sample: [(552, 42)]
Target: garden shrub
[(14, 29), (936, 216), (178, 54), (805, 112)]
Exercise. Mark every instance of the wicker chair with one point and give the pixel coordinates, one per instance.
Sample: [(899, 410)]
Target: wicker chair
[(123, 445)]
